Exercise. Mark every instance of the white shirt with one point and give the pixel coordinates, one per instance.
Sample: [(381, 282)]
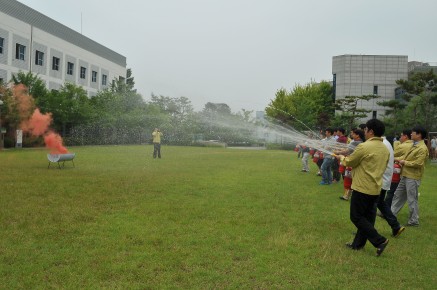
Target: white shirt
[(386, 178)]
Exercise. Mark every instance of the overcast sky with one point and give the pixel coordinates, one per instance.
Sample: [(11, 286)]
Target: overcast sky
[(240, 52)]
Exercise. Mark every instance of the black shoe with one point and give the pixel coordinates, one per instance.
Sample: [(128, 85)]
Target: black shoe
[(352, 247), (381, 248), (398, 232)]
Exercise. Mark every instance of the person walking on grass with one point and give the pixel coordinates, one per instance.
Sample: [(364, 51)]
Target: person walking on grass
[(357, 138), (325, 169), (401, 149), (413, 165), (341, 138), (384, 209), (369, 161), (305, 157), (157, 134), (434, 147)]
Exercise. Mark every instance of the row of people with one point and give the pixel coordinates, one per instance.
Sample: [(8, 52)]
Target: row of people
[(373, 169)]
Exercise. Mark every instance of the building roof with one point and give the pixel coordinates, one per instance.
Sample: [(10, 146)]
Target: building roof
[(34, 18)]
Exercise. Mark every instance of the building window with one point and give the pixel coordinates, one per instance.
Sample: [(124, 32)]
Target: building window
[(374, 115), (55, 63), (70, 68), (104, 80), (39, 58), (375, 90), (94, 76), (20, 51), (82, 72), (2, 43)]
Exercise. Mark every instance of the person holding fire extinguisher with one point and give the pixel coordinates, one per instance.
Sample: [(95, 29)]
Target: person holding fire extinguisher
[(405, 144), (357, 138)]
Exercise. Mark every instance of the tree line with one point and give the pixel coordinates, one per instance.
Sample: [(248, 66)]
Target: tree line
[(119, 115), (313, 105)]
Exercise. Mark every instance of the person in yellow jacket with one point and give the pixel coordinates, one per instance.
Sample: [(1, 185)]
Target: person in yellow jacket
[(156, 143), (400, 150), (369, 162), (413, 165), (405, 144)]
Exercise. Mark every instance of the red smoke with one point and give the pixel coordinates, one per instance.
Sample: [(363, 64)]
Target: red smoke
[(37, 123), (54, 142)]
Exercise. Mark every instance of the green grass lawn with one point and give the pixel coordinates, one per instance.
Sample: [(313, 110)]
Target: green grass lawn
[(197, 218)]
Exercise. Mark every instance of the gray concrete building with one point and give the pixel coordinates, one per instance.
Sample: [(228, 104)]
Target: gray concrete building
[(31, 41), (358, 75)]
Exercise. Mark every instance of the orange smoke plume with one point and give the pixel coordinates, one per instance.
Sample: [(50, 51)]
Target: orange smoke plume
[(38, 124), (25, 102), (54, 142)]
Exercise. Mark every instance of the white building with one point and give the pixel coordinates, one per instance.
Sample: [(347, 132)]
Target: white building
[(31, 41), (358, 75)]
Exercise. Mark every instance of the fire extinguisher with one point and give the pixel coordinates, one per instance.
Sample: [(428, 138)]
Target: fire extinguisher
[(396, 177), (347, 180)]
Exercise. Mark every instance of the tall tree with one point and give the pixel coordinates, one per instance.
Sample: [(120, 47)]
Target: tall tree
[(421, 95), (69, 107), (36, 87), (392, 119), (304, 106), (350, 111)]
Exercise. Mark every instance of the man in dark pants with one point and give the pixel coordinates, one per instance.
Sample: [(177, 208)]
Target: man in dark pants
[(369, 161), (385, 210)]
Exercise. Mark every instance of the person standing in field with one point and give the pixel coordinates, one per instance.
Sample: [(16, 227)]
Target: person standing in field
[(385, 210), (328, 159), (369, 161), (400, 150), (157, 134), (357, 138), (413, 165), (434, 147), (305, 157), (341, 138)]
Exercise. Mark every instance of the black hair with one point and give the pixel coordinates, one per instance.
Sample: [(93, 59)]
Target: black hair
[(376, 126), (420, 130), (342, 130), (407, 132), (359, 132), (330, 130), (362, 126)]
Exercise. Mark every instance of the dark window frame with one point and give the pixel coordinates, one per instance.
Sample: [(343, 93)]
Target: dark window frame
[(93, 76), (20, 51), (70, 68), (39, 58), (104, 80), (2, 44), (55, 63), (83, 72)]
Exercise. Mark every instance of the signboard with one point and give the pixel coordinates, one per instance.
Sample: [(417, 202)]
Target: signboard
[(19, 139)]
